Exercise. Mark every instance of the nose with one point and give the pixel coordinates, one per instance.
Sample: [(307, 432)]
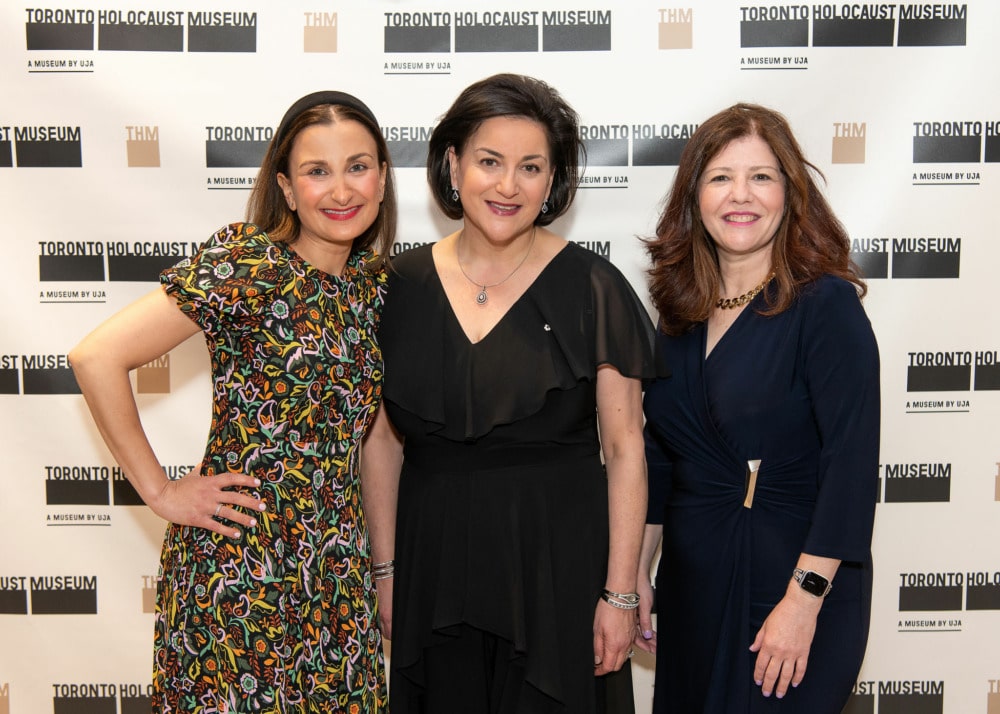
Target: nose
[(507, 184), (739, 190), (341, 190)]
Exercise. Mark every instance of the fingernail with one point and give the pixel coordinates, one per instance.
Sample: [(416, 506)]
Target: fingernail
[(758, 682), (253, 522), (236, 534), (647, 634), (597, 660), (779, 695), (256, 482), (261, 506)]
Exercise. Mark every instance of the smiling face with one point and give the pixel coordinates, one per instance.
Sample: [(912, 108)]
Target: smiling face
[(335, 185), (503, 175), (741, 196)]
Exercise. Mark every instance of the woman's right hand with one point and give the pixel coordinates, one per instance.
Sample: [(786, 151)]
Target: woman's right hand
[(210, 502)]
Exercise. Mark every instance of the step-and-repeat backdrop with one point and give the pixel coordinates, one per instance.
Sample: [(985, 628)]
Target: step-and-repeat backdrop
[(130, 131)]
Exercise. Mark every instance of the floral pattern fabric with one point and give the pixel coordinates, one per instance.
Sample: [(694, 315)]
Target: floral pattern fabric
[(282, 619)]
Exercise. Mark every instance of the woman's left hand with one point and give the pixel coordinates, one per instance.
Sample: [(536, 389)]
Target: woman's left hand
[(614, 629), (783, 641)]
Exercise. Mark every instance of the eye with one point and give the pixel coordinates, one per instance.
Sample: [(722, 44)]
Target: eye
[(488, 161), (532, 168), (718, 178), (358, 167), (317, 171), (763, 177)]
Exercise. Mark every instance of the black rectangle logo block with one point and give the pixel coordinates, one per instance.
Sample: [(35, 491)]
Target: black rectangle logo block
[(59, 36), (139, 268), (853, 33), (84, 705), (917, 490), (982, 597), (13, 602), (50, 381), (777, 33), (76, 493), (234, 154), (64, 602), (60, 268), (872, 265), (483, 38), (860, 704), (9, 383), (140, 38), (987, 377), (50, 154), (929, 598), (125, 493), (136, 705), (408, 154), (949, 378), (657, 152), (991, 152), (6, 154), (576, 38), (931, 33), (926, 265), (417, 39), (946, 149), (607, 152), (910, 703), (222, 39)]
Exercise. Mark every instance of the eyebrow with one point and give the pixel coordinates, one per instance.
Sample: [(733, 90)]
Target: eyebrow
[(324, 162), (493, 152)]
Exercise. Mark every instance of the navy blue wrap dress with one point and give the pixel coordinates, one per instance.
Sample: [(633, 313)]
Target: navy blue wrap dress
[(799, 392)]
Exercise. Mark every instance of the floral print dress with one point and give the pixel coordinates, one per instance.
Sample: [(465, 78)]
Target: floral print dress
[(283, 618)]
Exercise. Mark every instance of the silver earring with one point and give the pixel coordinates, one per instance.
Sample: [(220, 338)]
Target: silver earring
[(454, 194), (545, 206)]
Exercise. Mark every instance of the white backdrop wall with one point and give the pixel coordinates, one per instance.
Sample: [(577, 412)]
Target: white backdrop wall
[(130, 131)]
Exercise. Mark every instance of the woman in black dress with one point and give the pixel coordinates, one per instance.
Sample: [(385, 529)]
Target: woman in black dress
[(763, 443), (505, 348)]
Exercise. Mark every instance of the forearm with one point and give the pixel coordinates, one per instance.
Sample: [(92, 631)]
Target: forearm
[(626, 514), (651, 537), (381, 461)]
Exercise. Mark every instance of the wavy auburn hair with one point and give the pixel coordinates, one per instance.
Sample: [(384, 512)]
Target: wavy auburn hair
[(810, 240)]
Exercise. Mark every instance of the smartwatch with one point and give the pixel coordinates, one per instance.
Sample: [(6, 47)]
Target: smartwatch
[(813, 583)]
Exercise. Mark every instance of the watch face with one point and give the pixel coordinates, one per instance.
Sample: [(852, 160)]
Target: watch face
[(814, 583)]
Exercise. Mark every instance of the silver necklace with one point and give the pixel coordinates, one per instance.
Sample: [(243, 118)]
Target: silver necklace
[(481, 296)]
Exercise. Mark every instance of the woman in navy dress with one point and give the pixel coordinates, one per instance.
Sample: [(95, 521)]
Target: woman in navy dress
[(763, 443)]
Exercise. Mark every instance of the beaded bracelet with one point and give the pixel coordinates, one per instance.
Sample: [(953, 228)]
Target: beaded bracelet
[(384, 570)]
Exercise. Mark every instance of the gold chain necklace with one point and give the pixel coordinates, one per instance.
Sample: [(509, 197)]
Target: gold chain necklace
[(481, 296), (741, 300)]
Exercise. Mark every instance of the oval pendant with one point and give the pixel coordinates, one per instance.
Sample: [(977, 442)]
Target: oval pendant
[(481, 298)]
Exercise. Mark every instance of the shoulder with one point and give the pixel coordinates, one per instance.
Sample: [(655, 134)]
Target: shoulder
[(830, 295), (412, 264)]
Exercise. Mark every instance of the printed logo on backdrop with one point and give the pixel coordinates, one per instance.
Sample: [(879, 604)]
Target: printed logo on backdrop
[(915, 483), (48, 595), (675, 30), (848, 25), (319, 32), (88, 262), (41, 147), (494, 31), (79, 495), (101, 698), (932, 593), (896, 697), (959, 371), (905, 258), (954, 142), (118, 30)]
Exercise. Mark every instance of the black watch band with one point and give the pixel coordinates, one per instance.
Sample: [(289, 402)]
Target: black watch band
[(812, 582)]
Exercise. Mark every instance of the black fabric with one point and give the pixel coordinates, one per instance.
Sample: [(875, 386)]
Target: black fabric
[(503, 505)]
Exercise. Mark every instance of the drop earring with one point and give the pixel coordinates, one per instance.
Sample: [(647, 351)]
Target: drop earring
[(454, 194), (545, 206)]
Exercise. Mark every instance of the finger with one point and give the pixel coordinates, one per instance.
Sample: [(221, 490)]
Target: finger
[(784, 679), (800, 671), (237, 499), (760, 666), (771, 676), (222, 529), (226, 513), (646, 645), (233, 478)]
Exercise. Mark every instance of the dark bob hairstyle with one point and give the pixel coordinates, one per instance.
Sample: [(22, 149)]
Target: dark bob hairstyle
[(508, 95)]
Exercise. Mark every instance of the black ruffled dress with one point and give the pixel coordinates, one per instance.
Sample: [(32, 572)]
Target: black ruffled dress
[(503, 502)]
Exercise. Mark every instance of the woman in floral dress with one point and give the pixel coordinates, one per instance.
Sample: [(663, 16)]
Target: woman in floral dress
[(266, 601)]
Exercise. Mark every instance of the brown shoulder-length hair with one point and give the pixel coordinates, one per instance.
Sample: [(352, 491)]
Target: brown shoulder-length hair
[(810, 241), (508, 95), (268, 209)]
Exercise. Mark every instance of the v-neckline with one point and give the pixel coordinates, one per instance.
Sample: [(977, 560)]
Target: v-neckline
[(503, 317)]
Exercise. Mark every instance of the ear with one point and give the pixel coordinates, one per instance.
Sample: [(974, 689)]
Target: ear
[(453, 165), (286, 188)]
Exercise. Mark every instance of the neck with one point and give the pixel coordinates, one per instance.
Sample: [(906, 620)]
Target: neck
[(331, 259)]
